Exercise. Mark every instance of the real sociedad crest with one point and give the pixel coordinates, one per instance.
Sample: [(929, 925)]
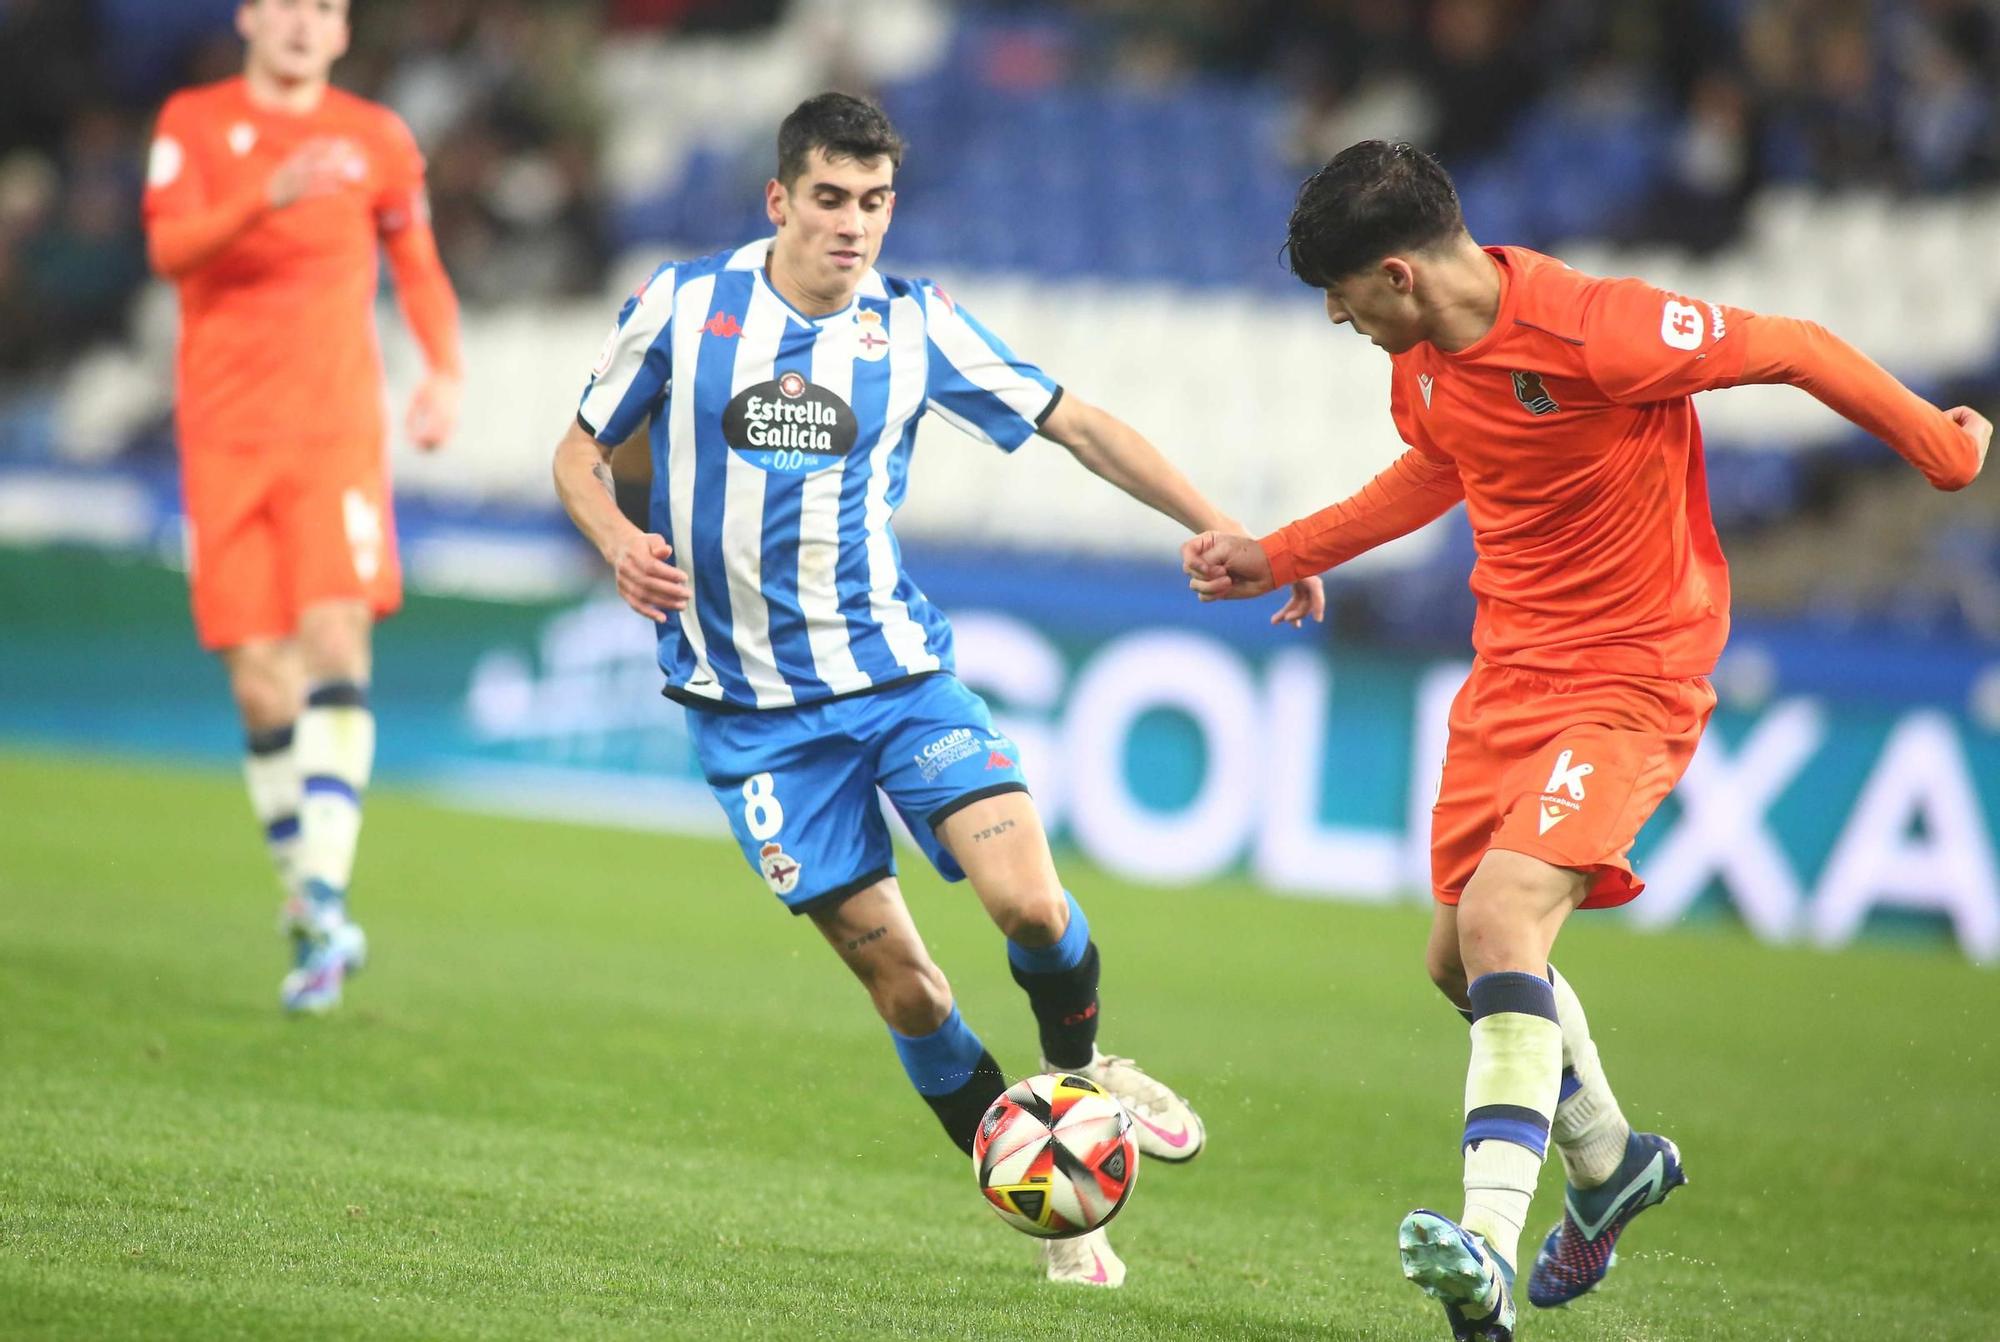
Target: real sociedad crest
[(1533, 396)]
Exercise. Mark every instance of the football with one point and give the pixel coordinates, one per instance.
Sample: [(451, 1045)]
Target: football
[(1054, 1156)]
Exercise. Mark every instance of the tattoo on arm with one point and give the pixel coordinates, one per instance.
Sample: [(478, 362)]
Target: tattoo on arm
[(866, 937), (993, 831), (602, 470)]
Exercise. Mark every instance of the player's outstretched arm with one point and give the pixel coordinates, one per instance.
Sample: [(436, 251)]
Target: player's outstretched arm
[(1643, 345), (649, 584), (1413, 491), (1114, 451), (1948, 446)]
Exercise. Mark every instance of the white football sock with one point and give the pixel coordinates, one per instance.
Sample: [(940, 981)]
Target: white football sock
[(1589, 1129), (271, 775), (336, 753), (1499, 1184), (1510, 1095)]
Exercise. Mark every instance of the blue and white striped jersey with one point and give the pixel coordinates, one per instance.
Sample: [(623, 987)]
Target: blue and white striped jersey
[(781, 447)]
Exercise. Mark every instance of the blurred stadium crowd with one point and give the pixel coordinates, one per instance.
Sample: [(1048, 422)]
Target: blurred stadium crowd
[(1149, 142), (1679, 110)]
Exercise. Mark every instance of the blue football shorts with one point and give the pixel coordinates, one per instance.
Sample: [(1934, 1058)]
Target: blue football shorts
[(799, 784)]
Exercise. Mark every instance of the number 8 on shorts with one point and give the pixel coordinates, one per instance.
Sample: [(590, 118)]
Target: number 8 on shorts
[(761, 810)]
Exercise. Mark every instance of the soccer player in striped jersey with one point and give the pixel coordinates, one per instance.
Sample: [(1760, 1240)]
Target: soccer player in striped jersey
[(784, 380), (1556, 406), (269, 198)]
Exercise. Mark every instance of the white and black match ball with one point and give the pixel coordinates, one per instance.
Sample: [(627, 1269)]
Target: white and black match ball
[(1054, 1155)]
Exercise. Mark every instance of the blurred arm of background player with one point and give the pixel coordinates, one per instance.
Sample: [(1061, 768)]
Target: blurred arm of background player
[(1119, 454), (430, 309), (1415, 490), (648, 582)]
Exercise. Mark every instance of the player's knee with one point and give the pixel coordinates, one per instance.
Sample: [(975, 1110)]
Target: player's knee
[(1447, 971), (1498, 928), (265, 696), (1482, 920), (334, 642), (913, 998), (1037, 917)]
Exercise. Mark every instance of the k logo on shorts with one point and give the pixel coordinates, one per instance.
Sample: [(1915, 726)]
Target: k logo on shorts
[(1562, 795)]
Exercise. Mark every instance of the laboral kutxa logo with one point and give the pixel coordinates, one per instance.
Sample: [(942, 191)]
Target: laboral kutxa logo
[(789, 425)]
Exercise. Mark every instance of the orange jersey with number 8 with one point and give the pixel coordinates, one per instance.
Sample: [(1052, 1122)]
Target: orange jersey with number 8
[(1603, 600), (1579, 455)]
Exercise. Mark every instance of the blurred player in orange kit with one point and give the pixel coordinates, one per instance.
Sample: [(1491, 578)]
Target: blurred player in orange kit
[(1556, 406), (266, 199)]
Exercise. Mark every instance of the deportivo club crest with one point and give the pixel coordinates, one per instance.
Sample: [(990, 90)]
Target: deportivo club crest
[(779, 870), (1530, 392), (870, 342)]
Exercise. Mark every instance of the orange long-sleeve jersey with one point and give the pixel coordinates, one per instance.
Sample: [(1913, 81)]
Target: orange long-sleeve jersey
[(277, 306), (1568, 431)]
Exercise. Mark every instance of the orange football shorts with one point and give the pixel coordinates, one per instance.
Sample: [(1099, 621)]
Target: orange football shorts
[(273, 531), (1562, 767)]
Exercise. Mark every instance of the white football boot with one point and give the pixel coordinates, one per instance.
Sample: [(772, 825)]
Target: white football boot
[(1087, 1260), (1165, 1126)]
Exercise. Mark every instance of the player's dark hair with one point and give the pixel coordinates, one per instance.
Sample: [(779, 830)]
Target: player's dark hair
[(1375, 199), (840, 125)]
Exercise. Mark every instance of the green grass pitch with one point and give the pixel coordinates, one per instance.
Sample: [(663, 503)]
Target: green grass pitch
[(597, 1085)]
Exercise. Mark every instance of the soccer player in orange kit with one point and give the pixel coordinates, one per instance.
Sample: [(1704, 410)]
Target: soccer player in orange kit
[(266, 199), (1556, 406)]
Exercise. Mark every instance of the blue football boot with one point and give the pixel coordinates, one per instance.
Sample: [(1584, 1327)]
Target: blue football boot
[(1579, 1252), (1455, 1267)]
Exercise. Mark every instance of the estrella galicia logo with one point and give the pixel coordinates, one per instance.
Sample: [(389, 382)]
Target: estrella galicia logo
[(789, 425), (1530, 392)]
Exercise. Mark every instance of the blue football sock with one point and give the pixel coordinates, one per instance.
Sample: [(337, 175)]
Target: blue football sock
[(1066, 952), (941, 1061), (1061, 983), (954, 1073)]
